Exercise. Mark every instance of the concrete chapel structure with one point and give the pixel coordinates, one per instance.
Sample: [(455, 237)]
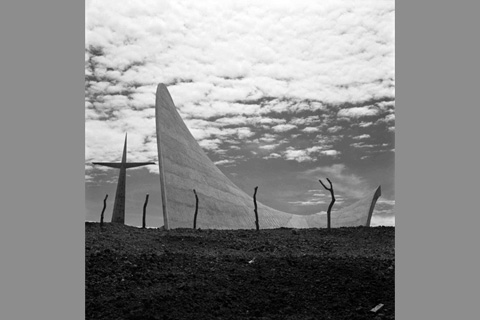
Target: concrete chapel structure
[(184, 166)]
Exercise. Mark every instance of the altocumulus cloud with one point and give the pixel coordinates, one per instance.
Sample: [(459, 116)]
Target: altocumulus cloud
[(217, 55)]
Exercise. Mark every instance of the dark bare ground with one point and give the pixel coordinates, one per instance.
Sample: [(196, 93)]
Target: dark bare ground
[(146, 274)]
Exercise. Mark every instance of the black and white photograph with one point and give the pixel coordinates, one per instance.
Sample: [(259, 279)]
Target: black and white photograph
[(239, 159)]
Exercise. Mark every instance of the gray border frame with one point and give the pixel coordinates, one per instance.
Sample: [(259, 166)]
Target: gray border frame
[(436, 169), (42, 269), (42, 138)]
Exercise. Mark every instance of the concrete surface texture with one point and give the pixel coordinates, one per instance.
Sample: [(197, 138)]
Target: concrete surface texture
[(118, 214), (222, 205)]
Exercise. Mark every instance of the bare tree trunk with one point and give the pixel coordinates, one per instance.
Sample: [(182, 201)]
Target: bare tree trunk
[(196, 210), (104, 206), (331, 203), (144, 211), (256, 212)]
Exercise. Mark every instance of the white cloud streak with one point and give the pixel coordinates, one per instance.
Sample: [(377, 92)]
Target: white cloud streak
[(358, 112)]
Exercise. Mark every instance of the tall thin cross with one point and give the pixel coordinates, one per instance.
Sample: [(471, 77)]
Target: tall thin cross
[(118, 214)]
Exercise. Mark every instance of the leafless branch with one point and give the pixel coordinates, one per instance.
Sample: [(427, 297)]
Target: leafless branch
[(331, 203)]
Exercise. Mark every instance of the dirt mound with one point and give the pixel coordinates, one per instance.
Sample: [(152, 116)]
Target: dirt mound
[(343, 273)]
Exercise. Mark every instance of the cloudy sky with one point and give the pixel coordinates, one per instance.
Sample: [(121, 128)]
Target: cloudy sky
[(278, 93)]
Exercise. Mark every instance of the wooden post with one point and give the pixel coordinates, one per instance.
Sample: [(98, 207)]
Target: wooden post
[(144, 211), (104, 206), (196, 211), (331, 203), (256, 212)]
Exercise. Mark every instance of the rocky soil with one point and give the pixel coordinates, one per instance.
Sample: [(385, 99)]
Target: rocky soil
[(145, 274)]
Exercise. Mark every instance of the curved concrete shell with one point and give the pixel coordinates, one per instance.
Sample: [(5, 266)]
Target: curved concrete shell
[(184, 166)]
